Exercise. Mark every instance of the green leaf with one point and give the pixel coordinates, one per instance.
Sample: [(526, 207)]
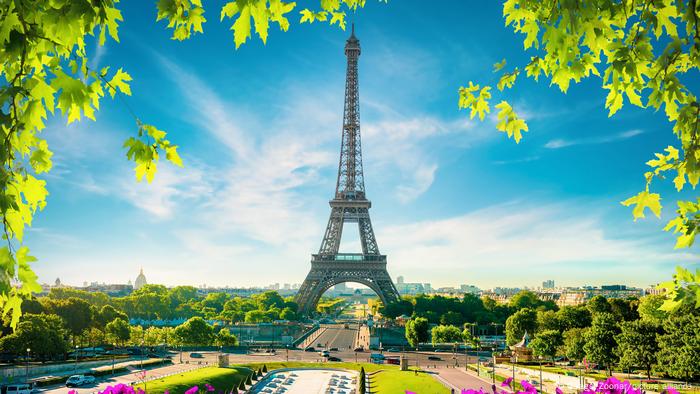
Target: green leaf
[(119, 81), (498, 66), (642, 201), (509, 122)]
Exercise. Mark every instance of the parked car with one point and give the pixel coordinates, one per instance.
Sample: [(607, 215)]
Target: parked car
[(310, 349), (196, 355), (434, 358), (20, 388), (334, 359), (376, 356), (359, 349), (393, 349), (80, 380), (333, 349), (324, 353)]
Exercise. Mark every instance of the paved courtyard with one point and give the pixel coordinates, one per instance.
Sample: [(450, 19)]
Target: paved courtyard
[(308, 381)]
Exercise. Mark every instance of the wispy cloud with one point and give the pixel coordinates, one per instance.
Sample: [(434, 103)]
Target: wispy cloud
[(518, 237), (563, 143), (516, 161)]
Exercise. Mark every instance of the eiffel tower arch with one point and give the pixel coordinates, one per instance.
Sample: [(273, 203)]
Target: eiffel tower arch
[(350, 205)]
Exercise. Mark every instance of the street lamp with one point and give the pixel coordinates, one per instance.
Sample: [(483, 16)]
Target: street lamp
[(28, 350), (75, 369), (114, 347), (540, 358)]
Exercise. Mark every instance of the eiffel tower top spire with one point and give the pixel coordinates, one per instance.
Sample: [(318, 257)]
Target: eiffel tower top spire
[(351, 182)]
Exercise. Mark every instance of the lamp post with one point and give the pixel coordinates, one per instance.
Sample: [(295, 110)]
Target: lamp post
[(114, 346), (75, 368), (513, 359), (141, 348), (540, 358), (27, 371)]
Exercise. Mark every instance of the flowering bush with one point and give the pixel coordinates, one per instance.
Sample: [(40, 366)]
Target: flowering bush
[(610, 386)]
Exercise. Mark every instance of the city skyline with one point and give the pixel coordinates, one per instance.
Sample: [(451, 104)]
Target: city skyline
[(251, 201)]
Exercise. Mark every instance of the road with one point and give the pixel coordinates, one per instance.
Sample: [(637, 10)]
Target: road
[(210, 358), (459, 379), (336, 336), (126, 378)]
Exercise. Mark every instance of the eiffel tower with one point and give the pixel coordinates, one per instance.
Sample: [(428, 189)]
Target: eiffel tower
[(329, 267)]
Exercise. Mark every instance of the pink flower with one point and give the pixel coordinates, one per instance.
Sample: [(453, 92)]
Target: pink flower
[(192, 390), (558, 391), (671, 390), (529, 389), (209, 387), (506, 383), (470, 391)]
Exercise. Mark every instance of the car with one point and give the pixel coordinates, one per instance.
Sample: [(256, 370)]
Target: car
[(324, 353), (319, 345), (359, 349), (376, 356), (393, 349), (79, 380), (310, 349), (334, 359), (196, 355), (333, 349), (434, 358), (21, 388)]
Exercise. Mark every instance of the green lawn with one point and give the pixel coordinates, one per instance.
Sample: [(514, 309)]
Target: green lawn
[(220, 378), (385, 379), (390, 381)]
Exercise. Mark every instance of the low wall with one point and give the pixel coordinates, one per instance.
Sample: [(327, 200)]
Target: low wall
[(10, 373)]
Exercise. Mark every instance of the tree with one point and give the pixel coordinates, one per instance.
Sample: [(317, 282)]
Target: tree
[(598, 304), (75, 312), (546, 343), (393, 310), (624, 309), (119, 330), (573, 317), (524, 299), (601, 346), (44, 334), (574, 342), (288, 314), (637, 344), (679, 347), (548, 320), (225, 338), (524, 320), (417, 331), (257, 316), (452, 318), (195, 331), (649, 308), (446, 334), (108, 313)]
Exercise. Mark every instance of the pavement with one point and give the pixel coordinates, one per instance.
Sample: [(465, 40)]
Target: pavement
[(126, 378), (458, 379)]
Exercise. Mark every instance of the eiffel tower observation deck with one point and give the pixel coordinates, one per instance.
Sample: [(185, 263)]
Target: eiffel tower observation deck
[(349, 205)]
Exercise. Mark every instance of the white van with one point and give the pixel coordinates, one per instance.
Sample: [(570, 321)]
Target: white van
[(22, 388)]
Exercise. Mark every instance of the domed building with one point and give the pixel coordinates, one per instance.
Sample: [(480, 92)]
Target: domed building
[(140, 280)]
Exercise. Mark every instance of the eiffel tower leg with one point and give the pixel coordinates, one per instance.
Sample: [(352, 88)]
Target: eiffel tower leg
[(369, 243), (334, 232)]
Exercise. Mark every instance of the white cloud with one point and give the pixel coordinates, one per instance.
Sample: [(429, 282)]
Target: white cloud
[(563, 143), (517, 237)]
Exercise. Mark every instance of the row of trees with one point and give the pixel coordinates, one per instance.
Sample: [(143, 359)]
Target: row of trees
[(622, 333), (152, 302), (48, 337), (469, 309)]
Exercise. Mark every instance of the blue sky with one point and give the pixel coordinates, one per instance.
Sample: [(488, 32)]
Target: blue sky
[(454, 201)]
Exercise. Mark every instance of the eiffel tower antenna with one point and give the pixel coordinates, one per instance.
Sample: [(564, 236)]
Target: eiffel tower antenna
[(329, 267)]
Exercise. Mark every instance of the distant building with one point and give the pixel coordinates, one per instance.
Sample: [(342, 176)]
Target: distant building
[(399, 280), (140, 280), (613, 287), (428, 287), (548, 284), (470, 289)]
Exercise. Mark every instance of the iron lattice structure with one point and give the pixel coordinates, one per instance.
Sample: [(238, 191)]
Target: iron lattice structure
[(329, 267)]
